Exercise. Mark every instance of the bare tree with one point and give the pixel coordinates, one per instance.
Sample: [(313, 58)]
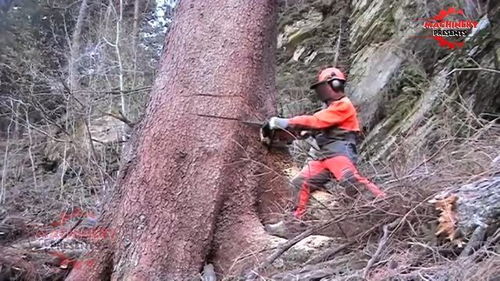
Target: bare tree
[(135, 34), (194, 187), (75, 47)]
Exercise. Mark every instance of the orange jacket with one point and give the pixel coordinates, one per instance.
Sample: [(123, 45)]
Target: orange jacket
[(340, 114)]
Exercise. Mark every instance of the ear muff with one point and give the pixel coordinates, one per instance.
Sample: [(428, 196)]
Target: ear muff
[(337, 84)]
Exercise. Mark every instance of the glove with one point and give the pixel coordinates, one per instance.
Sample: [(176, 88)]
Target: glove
[(305, 134), (278, 123)]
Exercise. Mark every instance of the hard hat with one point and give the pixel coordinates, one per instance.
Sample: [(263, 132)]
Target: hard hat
[(330, 73)]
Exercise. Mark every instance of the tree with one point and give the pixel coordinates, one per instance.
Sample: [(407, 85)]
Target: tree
[(195, 186), (75, 47)]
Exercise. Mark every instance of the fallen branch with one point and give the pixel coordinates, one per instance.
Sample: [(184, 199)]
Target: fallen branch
[(328, 255), (381, 244), (252, 274), (430, 158), (80, 220), (121, 117), (314, 271), (25, 265)]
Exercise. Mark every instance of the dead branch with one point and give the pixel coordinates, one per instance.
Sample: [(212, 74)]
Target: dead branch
[(121, 117), (252, 274), (430, 158), (329, 254), (313, 272), (381, 244), (78, 222), (474, 69)]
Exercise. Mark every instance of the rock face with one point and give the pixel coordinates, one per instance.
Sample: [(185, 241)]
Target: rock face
[(300, 30), (402, 83), (371, 73), (311, 35)]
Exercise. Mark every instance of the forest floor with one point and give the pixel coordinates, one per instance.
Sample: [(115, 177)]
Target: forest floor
[(409, 235), (46, 227)]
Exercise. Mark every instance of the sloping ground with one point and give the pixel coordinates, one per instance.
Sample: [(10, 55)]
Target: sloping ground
[(52, 185), (432, 132), (45, 173), (414, 234)]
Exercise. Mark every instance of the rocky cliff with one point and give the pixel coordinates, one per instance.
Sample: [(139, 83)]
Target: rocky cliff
[(403, 83)]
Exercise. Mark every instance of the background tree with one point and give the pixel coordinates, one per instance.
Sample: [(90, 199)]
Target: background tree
[(65, 70), (190, 192)]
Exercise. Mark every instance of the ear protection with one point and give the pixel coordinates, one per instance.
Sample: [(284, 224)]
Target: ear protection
[(337, 84)]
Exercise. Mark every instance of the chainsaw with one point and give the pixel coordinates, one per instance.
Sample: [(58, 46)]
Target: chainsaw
[(278, 138)]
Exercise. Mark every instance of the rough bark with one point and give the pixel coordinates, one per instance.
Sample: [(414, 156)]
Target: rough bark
[(190, 193)]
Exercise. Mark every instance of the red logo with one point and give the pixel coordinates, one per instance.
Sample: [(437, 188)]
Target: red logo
[(443, 30), (86, 235)]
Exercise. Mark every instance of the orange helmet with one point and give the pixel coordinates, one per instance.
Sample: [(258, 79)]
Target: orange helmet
[(330, 84), (330, 73)]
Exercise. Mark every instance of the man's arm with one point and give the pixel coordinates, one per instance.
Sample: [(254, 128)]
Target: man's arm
[(331, 116)]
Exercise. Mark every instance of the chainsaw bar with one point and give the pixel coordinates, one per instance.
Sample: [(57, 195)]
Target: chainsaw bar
[(270, 138)]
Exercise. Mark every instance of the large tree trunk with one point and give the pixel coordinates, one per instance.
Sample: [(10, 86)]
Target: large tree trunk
[(191, 192)]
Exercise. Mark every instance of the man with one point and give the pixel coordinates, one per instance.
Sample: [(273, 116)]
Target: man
[(335, 131)]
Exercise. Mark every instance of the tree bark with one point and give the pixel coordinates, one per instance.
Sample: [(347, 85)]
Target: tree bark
[(192, 191)]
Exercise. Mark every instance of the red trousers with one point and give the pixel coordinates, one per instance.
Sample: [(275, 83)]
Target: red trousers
[(317, 173)]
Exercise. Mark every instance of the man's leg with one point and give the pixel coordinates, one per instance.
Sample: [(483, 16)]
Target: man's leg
[(314, 175), (344, 170)]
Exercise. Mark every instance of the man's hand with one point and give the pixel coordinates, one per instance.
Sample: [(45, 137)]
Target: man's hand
[(278, 123)]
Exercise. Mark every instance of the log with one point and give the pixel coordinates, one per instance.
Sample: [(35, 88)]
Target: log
[(469, 212)]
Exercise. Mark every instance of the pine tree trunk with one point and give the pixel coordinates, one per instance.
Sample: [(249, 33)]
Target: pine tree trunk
[(195, 186)]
